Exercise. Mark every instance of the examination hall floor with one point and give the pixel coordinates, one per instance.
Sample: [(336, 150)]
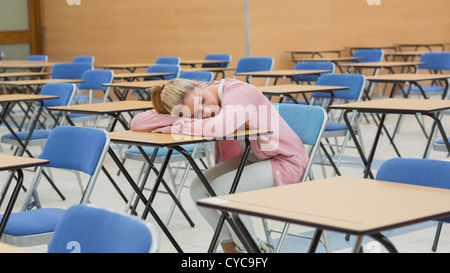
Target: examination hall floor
[(413, 239)]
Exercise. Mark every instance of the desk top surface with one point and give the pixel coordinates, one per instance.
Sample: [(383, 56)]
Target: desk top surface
[(169, 140), (106, 107), (25, 64), (332, 59), (397, 105), (298, 88), (382, 64), (125, 65), (282, 72), (137, 85), (24, 97), (39, 82), (140, 75), (5, 248), (343, 204), (8, 162), (404, 77), (24, 74), (200, 61)]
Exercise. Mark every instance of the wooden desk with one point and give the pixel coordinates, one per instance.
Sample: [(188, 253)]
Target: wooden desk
[(281, 74), (16, 163), (18, 75), (430, 108), (352, 49), (410, 78), (217, 70), (35, 85), (194, 63), (419, 45), (336, 60), (313, 53), (288, 90), (331, 204), (131, 67), (134, 76), (175, 142), (380, 65), (121, 89), (406, 55), (20, 64)]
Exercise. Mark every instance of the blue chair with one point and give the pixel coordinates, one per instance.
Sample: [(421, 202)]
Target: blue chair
[(168, 60), (254, 64), (158, 68), (39, 58), (435, 62), (369, 55), (308, 122), (65, 93), (2, 54), (200, 76), (312, 66), (91, 229), (70, 70), (217, 57), (84, 59), (421, 172), (68, 148), (94, 80)]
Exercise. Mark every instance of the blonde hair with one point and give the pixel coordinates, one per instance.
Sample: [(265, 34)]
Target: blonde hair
[(166, 97)]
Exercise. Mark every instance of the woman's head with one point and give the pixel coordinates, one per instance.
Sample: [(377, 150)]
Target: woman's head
[(182, 97)]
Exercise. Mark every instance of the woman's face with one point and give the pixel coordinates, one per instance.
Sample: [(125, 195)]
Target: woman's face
[(201, 103)]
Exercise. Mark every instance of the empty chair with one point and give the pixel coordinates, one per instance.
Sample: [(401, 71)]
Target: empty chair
[(434, 63), (68, 148), (70, 70), (92, 229), (168, 60), (421, 172), (369, 55), (329, 66), (84, 59), (94, 80), (253, 64), (39, 58), (217, 57), (308, 122), (200, 76), (65, 93)]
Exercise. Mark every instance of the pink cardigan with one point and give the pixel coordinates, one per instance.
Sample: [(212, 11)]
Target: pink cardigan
[(284, 148)]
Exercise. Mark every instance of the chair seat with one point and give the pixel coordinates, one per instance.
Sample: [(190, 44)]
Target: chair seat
[(427, 89), (36, 221), (37, 134), (441, 141), (335, 126), (162, 151)]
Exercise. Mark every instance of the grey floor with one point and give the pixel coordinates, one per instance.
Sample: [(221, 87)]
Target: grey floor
[(415, 239)]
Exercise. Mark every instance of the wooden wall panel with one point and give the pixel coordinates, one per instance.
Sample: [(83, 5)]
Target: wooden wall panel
[(141, 30)]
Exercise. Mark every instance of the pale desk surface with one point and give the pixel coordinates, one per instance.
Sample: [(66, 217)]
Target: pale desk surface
[(405, 53), (24, 64), (332, 59), (24, 74), (447, 159), (139, 75), (168, 140), (8, 162), (343, 204), (212, 69), (314, 51), (39, 82), (381, 64), (106, 107), (125, 66), (5, 248), (405, 77), (298, 88), (136, 85), (281, 73), (24, 97), (397, 105), (199, 61)]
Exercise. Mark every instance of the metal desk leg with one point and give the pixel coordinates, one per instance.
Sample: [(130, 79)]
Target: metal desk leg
[(315, 241), (385, 242), (249, 244), (12, 201)]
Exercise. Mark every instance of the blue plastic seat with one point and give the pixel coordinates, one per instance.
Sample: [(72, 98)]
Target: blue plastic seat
[(70, 70), (169, 68), (39, 58), (168, 60), (84, 59), (369, 55), (254, 64), (217, 57), (439, 145), (91, 229), (434, 62), (421, 172), (200, 76), (70, 148), (312, 66)]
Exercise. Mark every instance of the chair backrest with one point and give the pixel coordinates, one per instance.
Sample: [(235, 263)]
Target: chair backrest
[(355, 83), (168, 60), (308, 122), (369, 55), (313, 66), (70, 70), (200, 76), (166, 68), (217, 57), (253, 64), (91, 229), (76, 148), (84, 59), (435, 61), (416, 171), (94, 79), (64, 91), (41, 58)]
